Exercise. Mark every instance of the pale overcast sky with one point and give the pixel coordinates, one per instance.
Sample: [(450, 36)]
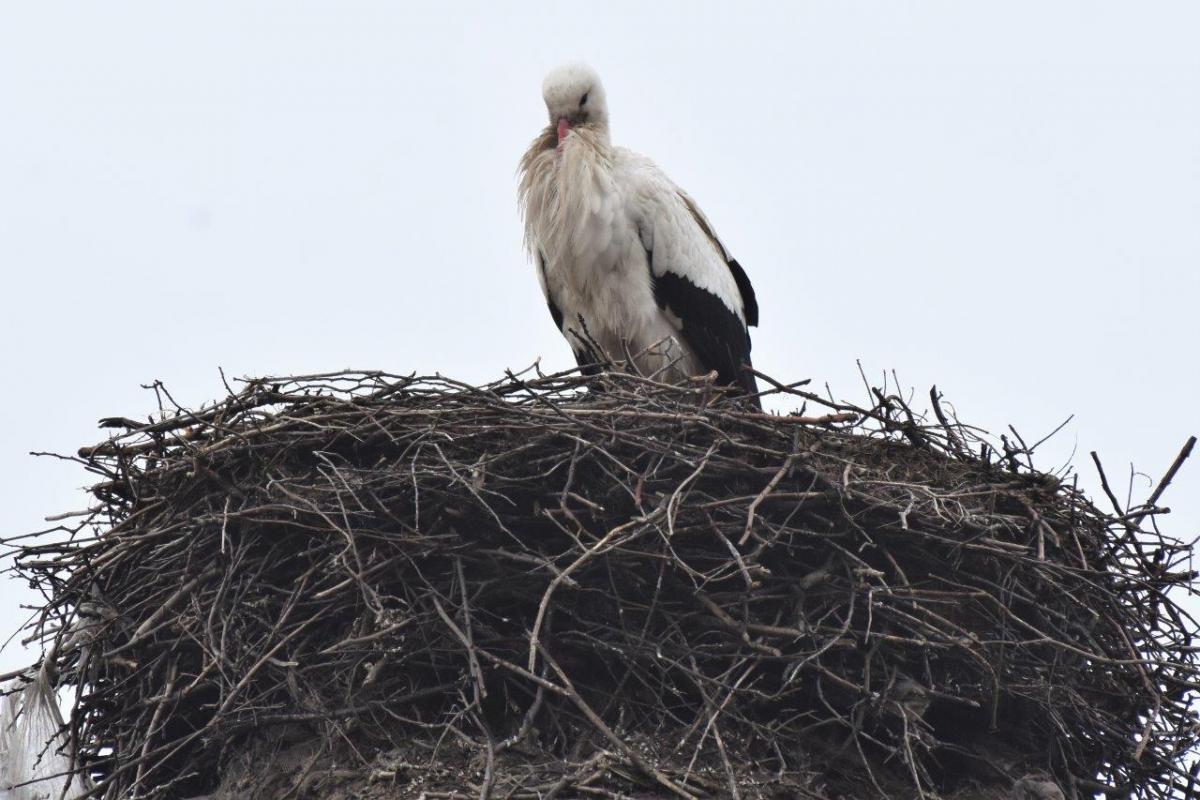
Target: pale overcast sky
[(1000, 198)]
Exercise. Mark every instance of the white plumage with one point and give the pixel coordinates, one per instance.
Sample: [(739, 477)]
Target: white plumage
[(629, 265)]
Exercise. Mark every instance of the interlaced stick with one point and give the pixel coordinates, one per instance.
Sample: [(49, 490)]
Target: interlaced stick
[(554, 585)]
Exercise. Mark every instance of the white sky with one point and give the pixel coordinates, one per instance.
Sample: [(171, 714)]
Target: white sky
[(1000, 198)]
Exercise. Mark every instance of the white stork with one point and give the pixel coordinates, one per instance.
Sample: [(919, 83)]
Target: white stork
[(629, 265)]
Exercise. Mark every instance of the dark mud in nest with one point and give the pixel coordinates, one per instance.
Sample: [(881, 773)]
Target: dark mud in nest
[(362, 585)]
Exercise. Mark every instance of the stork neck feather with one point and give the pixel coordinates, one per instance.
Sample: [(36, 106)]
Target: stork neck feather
[(560, 189)]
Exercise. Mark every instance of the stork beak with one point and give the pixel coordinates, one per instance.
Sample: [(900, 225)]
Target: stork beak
[(564, 127)]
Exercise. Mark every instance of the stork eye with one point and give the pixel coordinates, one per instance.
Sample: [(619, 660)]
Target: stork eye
[(583, 99)]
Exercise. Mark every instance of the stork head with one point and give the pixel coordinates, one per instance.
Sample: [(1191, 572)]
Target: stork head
[(574, 96)]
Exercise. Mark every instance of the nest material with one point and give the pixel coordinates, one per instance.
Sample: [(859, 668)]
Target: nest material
[(554, 586)]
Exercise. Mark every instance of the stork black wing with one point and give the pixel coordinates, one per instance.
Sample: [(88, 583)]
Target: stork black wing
[(749, 301), (715, 334)]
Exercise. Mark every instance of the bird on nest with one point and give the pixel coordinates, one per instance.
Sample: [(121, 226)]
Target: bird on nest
[(631, 269)]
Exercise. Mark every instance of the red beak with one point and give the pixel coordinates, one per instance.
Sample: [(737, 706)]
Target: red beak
[(564, 127)]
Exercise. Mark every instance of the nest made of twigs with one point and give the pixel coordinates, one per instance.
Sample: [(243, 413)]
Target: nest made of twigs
[(554, 586)]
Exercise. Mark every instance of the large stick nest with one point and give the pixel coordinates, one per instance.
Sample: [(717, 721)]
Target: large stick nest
[(363, 585)]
